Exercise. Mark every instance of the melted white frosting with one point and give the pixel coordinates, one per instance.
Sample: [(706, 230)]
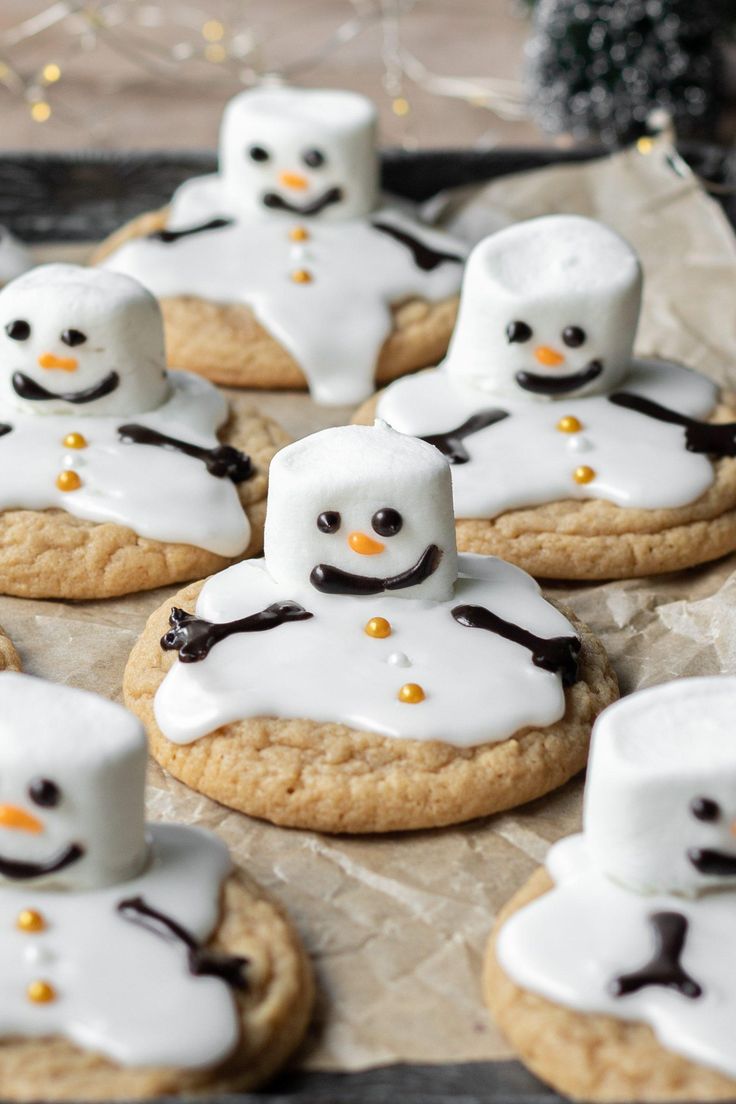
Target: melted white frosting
[(525, 460), (329, 669), (123, 991), (159, 493), (570, 944), (335, 324)]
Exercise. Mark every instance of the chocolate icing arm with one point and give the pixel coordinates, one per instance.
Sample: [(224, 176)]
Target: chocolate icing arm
[(451, 444), (425, 257), (194, 638), (559, 654), (5, 428), (664, 968), (168, 236), (202, 961), (222, 461), (717, 440)]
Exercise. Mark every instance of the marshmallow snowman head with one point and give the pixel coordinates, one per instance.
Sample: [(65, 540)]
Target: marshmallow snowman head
[(72, 777), (548, 310), (660, 800), (307, 152), (81, 341), (362, 501)]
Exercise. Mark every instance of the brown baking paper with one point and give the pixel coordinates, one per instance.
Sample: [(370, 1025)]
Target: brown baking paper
[(396, 925)]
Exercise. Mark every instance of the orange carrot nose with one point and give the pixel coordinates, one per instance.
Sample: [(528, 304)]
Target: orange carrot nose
[(365, 545), (63, 364), (12, 816), (293, 180), (732, 828), (548, 356)]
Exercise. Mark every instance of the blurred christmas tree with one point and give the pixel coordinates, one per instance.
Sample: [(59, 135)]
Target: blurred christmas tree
[(601, 68)]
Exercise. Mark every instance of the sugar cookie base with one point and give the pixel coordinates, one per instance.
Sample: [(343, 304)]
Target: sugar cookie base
[(593, 540), (274, 1014), (9, 658), (331, 778), (52, 554), (225, 342), (589, 1057)]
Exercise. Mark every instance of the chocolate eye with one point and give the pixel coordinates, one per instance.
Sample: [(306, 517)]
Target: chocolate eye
[(704, 808), (19, 330), (518, 331), (314, 158), (387, 522), (73, 337), (258, 153), (573, 336), (44, 792), (329, 521)]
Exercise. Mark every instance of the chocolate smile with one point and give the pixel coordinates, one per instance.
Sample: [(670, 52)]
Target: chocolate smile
[(27, 388), (712, 862), (278, 203), (559, 385), (18, 871), (332, 580)]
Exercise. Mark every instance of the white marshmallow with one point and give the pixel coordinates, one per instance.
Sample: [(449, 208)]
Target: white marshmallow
[(122, 333), (293, 126), (356, 471), (654, 756), (94, 752), (551, 274)]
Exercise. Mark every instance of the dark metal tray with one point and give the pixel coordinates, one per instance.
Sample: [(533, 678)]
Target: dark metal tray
[(81, 196)]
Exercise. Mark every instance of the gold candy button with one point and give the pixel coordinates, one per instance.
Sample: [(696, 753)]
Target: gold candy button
[(301, 276), (378, 627), (299, 234), (583, 474), (41, 992), (30, 921), (569, 424), (68, 481), (411, 693), (74, 441)]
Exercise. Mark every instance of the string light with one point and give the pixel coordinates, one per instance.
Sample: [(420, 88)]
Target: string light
[(228, 54)]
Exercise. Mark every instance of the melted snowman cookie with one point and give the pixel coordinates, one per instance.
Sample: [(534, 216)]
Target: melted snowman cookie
[(291, 234), (361, 631), (569, 456), (132, 956), (93, 426), (631, 925)]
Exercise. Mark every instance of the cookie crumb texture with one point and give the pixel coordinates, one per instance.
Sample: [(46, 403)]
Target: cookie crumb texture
[(331, 778), (593, 540), (226, 343), (9, 658), (274, 1014), (589, 1057), (52, 554)]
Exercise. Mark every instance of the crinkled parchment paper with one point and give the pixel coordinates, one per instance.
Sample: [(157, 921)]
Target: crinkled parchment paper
[(396, 925)]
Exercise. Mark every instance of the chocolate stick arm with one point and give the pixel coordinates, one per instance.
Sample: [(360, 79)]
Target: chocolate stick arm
[(222, 461), (202, 961), (5, 429), (168, 236), (665, 967), (451, 444), (425, 257), (559, 654), (704, 437), (194, 638)]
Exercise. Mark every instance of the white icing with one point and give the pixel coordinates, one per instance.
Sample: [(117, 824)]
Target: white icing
[(159, 493), (358, 471), (329, 669), (95, 752), (652, 755), (550, 273), (15, 257), (525, 460), (119, 990), (335, 324)]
